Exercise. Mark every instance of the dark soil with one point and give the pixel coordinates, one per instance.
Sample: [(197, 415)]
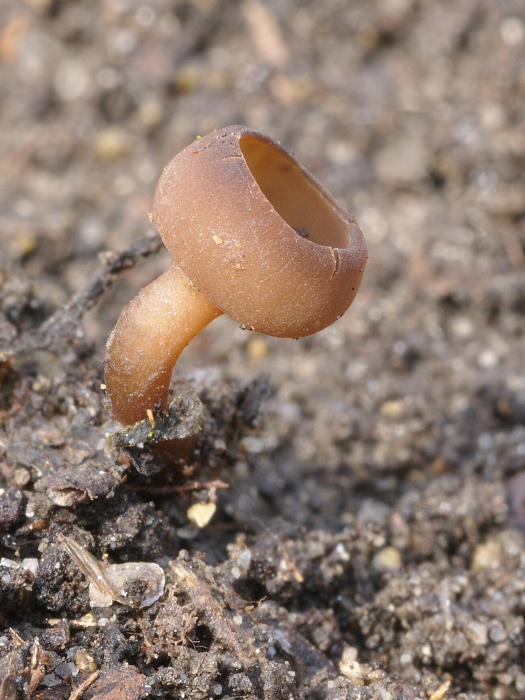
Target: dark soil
[(368, 482)]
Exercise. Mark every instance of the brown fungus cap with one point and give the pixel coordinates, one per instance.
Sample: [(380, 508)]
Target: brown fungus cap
[(258, 235)]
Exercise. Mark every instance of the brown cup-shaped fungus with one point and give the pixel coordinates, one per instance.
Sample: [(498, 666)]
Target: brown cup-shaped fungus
[(252, 234)]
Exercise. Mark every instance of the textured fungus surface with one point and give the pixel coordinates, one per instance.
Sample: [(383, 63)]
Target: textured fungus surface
[(229, 208)]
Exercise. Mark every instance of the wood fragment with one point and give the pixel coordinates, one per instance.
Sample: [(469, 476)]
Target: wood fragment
[(64, 322), (79, 690)]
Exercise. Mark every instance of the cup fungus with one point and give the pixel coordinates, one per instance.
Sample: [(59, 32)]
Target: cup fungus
[(252, 234)]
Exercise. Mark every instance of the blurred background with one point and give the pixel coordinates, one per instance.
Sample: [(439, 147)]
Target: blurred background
[(411, 112)]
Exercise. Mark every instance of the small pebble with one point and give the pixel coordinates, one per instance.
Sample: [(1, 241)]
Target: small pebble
[(387, 559), (257, 348), (201, 513), (85, 662), (512, 31), (71, 80), (111, 144), (403, 158), (392, 409), (497, 633), (486, 556)]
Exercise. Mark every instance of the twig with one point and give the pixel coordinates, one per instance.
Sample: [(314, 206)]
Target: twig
[(63, 323), (79, 690)]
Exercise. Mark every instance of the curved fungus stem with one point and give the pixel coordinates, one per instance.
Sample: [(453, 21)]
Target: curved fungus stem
[(147, 340), (252, 234)]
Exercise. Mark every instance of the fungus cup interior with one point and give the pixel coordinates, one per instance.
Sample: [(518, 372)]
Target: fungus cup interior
[(295, 196)]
